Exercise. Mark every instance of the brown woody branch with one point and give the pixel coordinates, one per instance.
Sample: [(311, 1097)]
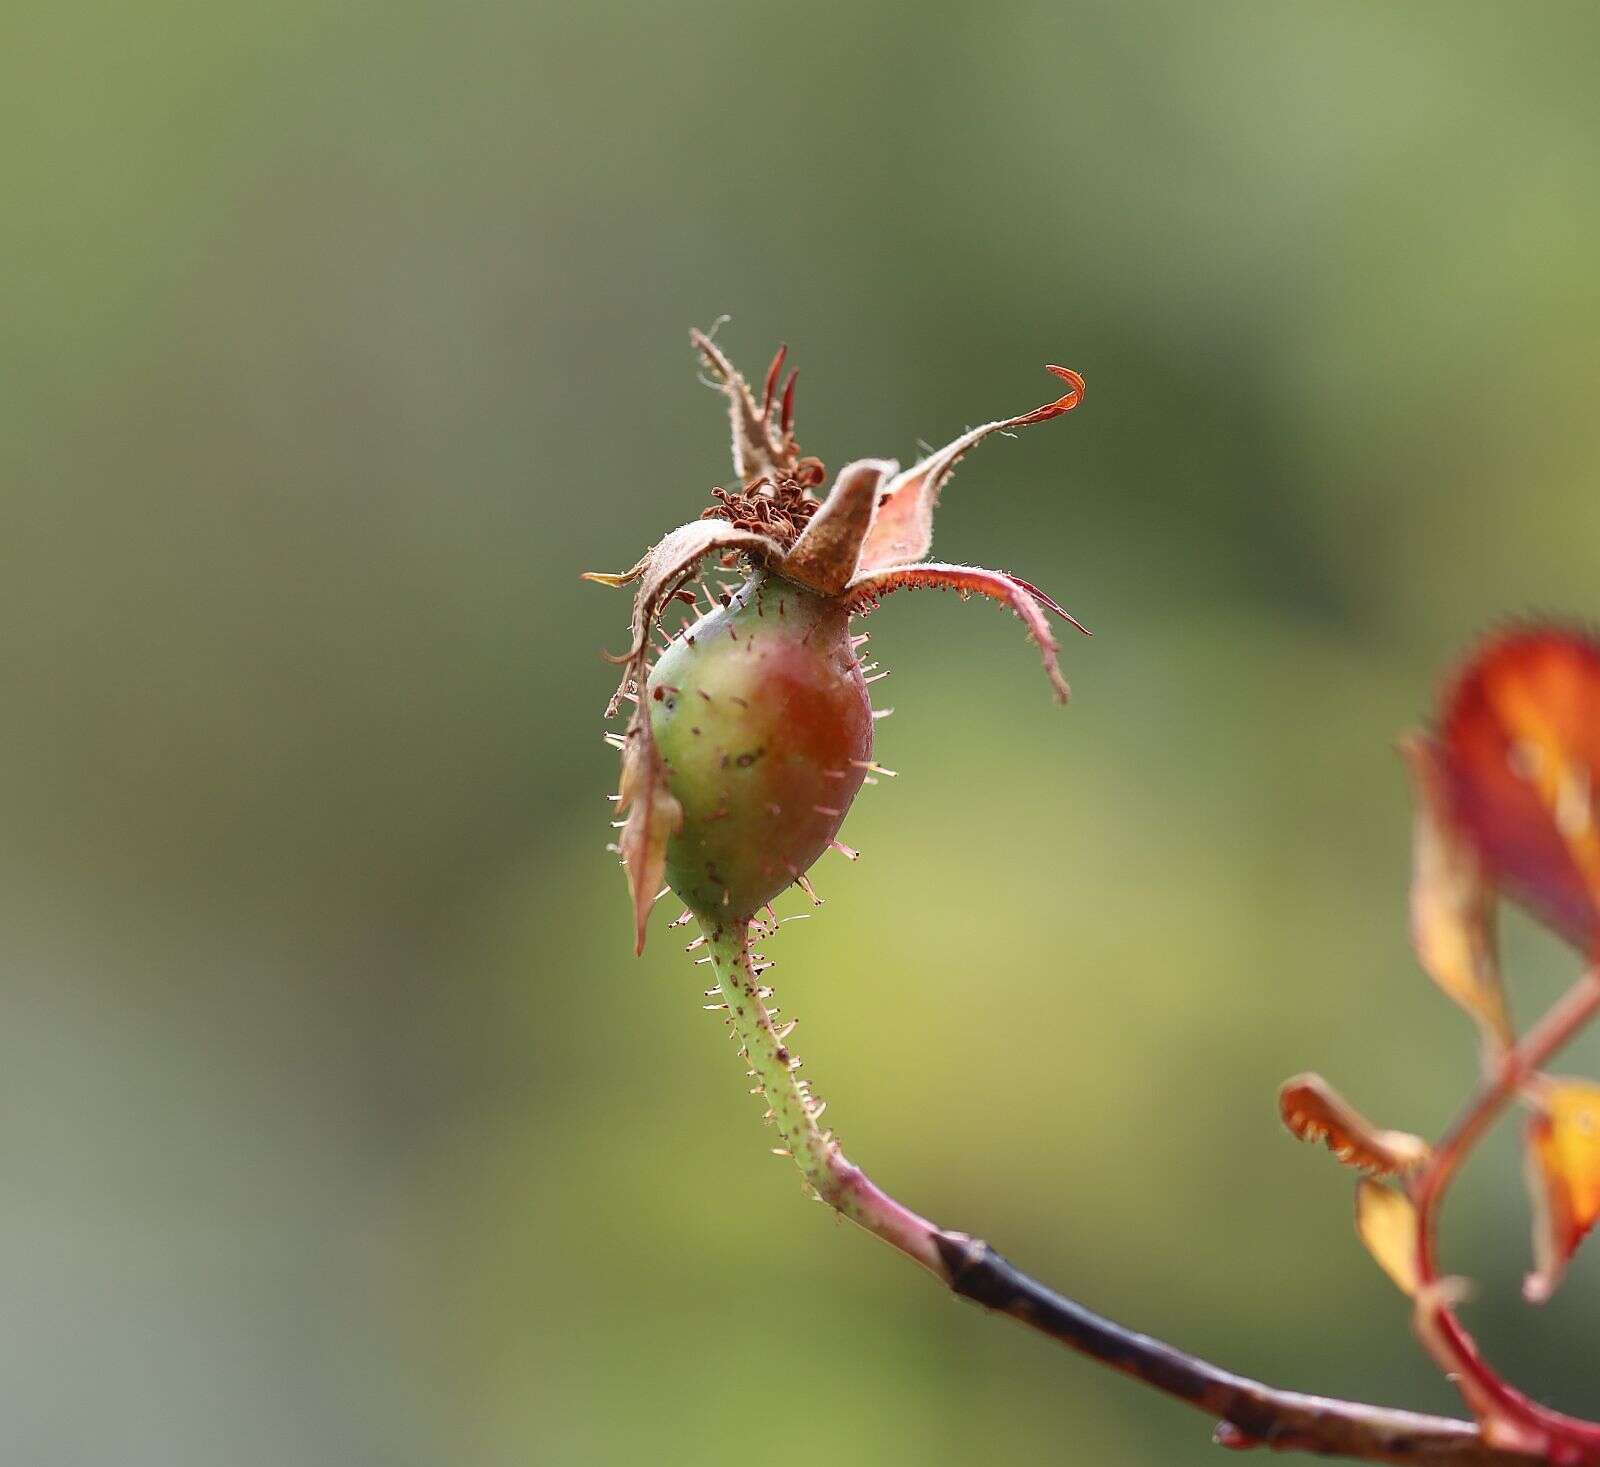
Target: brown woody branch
[(1251, 1413)]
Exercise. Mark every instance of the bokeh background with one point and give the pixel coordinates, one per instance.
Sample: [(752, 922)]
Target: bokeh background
[(339, 1126)]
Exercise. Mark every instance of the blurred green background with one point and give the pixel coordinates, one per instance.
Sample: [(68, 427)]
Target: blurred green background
[(339, 1126)]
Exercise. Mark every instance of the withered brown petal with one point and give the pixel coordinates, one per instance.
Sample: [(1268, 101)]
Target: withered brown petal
[(1453, 926), (1387, 1223), (1563, 1163), (902, 529), (824, 557), (1314, 1111), (867, 590)]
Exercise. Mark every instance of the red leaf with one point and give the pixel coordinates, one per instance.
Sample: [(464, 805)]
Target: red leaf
[(1520, 740)]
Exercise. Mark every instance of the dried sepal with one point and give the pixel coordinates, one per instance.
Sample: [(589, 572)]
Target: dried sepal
[(902, 530), (1520, 747), (763, 434), (867, 590), (824, 557), (653, 818), (1314, 1111), (1386, 1223), (1453, 902), (1563, 1165), (662, 573)]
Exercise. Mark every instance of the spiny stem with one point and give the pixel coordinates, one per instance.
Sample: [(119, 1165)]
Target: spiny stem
[(844, 1187), (1251, 1413)]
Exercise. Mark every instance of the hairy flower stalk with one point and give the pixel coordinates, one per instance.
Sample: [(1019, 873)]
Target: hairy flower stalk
[(796, 1115)]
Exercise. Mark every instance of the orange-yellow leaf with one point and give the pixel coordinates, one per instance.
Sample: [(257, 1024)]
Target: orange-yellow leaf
[(1387, 1223), (1314, 1111), (1453, 902), (1564, 1178)]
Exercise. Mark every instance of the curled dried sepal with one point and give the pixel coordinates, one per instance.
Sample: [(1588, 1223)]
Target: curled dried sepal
[(1386, 1222), (653, 815), (653, 818), (903, 527), (1024, 599), (1314, 1111), (824, 557), (1453, 930), (1520, 748), (763, 434), (1563, 1163), (662, 573)]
